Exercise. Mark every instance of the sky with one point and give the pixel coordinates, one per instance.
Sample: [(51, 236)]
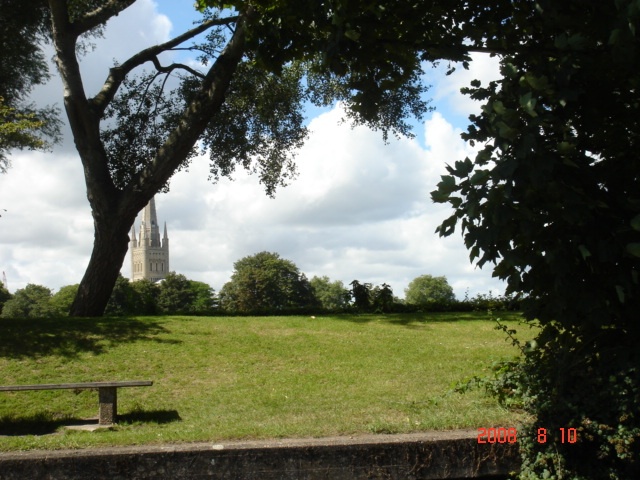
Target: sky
[(358, 209)]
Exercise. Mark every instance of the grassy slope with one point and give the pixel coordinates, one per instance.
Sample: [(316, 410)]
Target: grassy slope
[(223, 378)]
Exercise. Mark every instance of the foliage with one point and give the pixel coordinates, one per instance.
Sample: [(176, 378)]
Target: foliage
[(122, 301), (367, 298), (552, 200), (333, 296), (23, 30), (361, 295), (176, 294), (382, 298), (4, 296), (30, 301), (146, 296), (63, 298), (204, 300), (266, 282), (427, 288)]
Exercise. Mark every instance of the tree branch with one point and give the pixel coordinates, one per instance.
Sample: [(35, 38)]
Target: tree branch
[(100, 15), (84, 123), (193, 121), (118, 73), (173, 66)]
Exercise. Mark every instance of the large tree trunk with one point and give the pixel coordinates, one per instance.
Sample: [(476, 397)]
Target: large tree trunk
[(110, 247), (114, 209)]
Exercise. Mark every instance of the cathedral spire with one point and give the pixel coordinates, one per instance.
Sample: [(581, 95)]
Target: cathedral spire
[(165, 238), (133, 240), (150, 253), (150, 224)]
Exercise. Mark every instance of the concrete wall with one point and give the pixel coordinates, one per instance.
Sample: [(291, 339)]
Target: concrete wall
[(435, 455)]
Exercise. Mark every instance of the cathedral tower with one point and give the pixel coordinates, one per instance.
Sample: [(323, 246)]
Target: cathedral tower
[(149, 254)]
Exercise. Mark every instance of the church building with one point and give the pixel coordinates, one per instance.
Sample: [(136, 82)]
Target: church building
[(149, 255)]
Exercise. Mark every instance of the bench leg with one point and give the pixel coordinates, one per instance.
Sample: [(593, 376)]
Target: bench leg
[(108, 399)]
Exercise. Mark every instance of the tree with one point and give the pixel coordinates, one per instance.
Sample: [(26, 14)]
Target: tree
[(23, 29), (176, 294), (331, 295), (244, 107), (427, 289), (63, 298), (204, 298), (265, 282), (4, 296), (361, 295), (551, 200), (382, 298), (145, 297), (30, 301), (122, 300)]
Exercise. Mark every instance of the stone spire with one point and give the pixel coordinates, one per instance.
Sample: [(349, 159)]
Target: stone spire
[(150, 225), (165, 238), (149, 255)]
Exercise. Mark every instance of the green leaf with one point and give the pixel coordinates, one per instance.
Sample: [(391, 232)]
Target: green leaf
[(447, 185), (635, 223), (620, 292), (633, 249), (584, 251), (528, 102), (352, 35), (499, 107), (479, 177)]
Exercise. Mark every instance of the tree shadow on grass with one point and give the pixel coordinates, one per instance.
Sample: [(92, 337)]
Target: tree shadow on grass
[(69, 337), (411, 320), (48, 424)]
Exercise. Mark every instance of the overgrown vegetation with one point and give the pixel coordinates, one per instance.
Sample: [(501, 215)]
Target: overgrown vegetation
[(218, 378), (551, 200)]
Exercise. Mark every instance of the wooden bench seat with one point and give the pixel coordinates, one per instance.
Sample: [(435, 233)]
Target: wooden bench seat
[(107, 394)]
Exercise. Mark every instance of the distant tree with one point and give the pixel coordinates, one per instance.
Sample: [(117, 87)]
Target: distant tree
[(331, 295), (4, 296), (361, 294), (145, 297), (122, 300), (176, 294), (266, 282), (204, 298), (382, 298), (30, 301), (428, 289), (63, 298)]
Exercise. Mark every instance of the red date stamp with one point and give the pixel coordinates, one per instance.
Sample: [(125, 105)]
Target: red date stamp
[(510, 435)]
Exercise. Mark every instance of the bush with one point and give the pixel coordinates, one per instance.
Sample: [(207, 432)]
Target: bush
[(31, 301), (266, 282)]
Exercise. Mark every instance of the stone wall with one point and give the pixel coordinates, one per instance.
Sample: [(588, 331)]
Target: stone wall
[(435, 455)]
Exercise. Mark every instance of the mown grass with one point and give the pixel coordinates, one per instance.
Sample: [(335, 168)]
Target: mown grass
[(249, 377)]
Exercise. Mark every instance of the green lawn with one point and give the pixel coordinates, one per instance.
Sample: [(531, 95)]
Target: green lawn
[(249, 377)]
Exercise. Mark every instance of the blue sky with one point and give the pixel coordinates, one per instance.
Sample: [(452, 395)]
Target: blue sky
[(359, 209)]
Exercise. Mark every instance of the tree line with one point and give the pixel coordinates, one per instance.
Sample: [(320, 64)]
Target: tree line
[(261, 284)]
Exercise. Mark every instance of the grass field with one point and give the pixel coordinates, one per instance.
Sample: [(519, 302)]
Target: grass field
[(249, 377)]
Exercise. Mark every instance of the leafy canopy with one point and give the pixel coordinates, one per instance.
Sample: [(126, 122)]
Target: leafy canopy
[(552, 201), (266, 282), (427, 288), (23, 30)]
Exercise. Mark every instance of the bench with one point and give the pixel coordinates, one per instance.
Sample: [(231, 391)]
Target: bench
[(107, 394)]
